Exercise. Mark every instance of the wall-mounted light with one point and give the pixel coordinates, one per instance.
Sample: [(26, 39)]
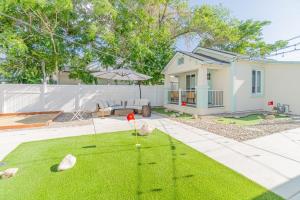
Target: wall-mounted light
[(208, 76)]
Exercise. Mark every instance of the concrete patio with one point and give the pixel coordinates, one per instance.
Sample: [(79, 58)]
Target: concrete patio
[(272, 161)]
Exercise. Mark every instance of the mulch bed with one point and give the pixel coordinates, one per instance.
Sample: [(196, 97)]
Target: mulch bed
[(64, 120)]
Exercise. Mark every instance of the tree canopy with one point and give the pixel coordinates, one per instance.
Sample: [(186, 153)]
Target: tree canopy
[(139, 34)]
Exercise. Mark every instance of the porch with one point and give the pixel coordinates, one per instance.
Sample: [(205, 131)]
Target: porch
[(189, 98), (199, 91)]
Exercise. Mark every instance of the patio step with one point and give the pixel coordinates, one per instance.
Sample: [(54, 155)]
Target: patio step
[(296, 118)]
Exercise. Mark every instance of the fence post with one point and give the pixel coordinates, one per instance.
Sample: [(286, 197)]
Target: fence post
[(77, 97), (43, 91), (2, 99), (156, 95)]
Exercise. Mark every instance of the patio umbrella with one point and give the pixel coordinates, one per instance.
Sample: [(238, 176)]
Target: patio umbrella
[(124, 75)]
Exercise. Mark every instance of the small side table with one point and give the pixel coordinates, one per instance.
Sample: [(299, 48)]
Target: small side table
[(146, 111)]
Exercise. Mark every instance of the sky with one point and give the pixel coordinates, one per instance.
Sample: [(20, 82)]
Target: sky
[(283, 14)]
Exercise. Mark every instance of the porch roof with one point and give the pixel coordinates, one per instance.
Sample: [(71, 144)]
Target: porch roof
[(205, 58)]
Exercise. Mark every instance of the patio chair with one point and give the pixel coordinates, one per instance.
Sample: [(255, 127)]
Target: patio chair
[(174, 96), (104, 108), (77, 114), (83, 109), (191, 97)]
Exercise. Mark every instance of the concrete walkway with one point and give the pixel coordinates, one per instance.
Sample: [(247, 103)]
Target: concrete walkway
[(272, 161)]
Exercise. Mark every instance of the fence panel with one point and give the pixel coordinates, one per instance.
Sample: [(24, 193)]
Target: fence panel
[(31, 98)]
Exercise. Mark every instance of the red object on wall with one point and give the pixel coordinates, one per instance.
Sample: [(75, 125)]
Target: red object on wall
[(183, 103), (270, 103), (130, 116)]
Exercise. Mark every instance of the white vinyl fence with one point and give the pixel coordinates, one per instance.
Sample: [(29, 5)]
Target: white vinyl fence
[(34, 98)]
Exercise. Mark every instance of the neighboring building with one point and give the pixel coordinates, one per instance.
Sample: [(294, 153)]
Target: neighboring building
[(210, 81), (64, 78)]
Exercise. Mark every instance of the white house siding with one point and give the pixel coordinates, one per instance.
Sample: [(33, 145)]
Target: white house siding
[(243, 98), (190, 64), (221, 81), (282, 85)]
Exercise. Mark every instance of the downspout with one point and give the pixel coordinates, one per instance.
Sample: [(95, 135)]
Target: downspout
[(232, 85)]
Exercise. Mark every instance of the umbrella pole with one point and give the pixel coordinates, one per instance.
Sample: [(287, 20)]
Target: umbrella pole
[(140, 89)]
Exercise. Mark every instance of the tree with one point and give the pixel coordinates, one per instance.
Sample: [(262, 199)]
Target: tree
[(143, 34), (50, 32), (137, 34), (218, 29)]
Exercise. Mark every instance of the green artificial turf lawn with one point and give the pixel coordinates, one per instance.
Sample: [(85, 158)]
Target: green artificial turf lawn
[(161, 110), (245, 121), (110, 167)]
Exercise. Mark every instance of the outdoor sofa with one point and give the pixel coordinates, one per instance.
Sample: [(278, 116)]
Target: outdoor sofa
[(107, 107)]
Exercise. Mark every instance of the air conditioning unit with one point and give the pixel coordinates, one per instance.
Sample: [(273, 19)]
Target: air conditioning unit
[(282, 108)]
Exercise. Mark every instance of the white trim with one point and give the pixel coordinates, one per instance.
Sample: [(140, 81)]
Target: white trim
[(256, 70), (269, 61), (199, 61), (282, 62), (190, 74), (184, 55)]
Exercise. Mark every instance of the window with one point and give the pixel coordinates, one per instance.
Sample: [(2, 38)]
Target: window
[(190, 82), (256, 82), (180, 61)]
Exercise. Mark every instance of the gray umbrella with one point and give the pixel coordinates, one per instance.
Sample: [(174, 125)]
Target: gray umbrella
[(122, 74)]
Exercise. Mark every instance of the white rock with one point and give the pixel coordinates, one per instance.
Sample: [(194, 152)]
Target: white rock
[(195, 116), (67, 163), (181, 113), (173, 115), (146, 129), (166, 110), (9, 173)]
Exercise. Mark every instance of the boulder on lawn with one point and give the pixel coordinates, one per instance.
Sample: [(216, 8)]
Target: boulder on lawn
[(270, 117), (145, 130), (9, 173), (195, 116), (67, 163), (166, 110)]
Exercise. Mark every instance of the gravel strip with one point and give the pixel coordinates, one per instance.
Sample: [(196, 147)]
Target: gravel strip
[(240, 133)]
